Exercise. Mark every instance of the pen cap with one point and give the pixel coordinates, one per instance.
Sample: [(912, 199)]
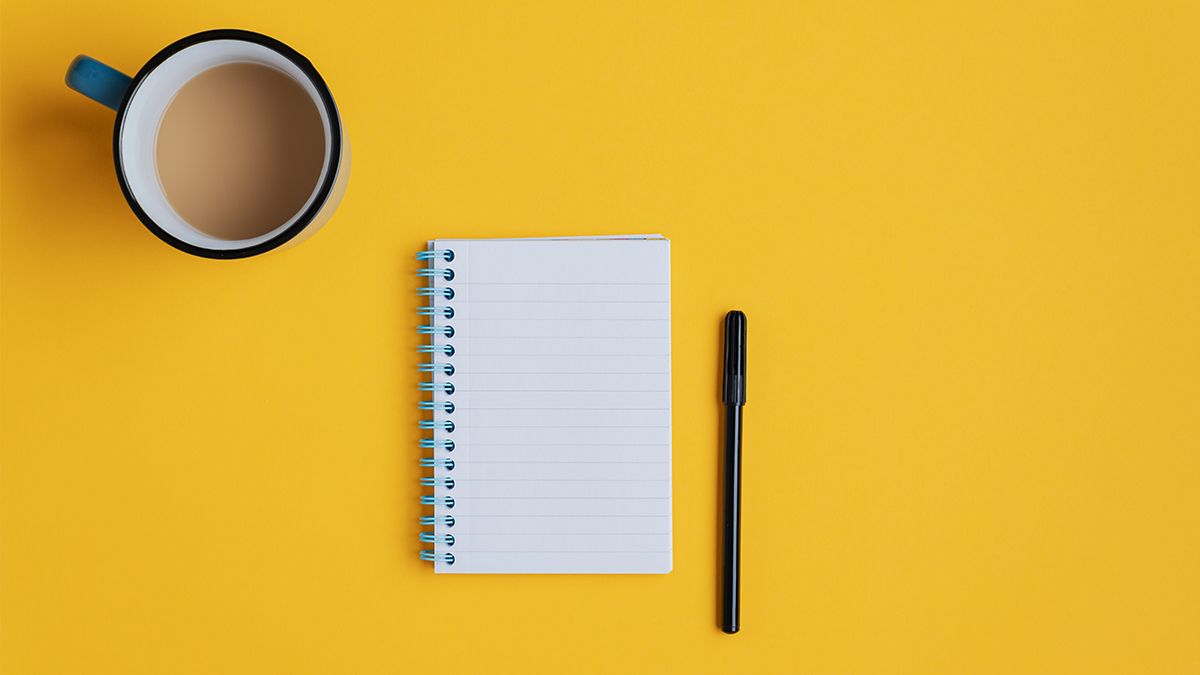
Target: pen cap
[(733, 391)]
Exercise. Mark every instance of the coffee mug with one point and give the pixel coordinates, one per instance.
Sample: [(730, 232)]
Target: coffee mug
[(142, 103)]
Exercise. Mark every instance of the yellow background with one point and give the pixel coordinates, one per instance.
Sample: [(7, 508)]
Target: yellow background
[(966, 236)]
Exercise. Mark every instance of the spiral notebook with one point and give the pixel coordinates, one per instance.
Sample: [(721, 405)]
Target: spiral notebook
[(547, 392)]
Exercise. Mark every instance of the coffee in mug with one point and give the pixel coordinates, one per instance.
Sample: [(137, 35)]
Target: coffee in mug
[(239, 150)]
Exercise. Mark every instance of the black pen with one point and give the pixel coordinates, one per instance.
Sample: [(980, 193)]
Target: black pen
[(733, 395)]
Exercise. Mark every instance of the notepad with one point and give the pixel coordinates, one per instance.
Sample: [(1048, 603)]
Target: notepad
[(547, 397)]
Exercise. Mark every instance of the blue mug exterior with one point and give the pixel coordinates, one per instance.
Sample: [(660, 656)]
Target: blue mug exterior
[(97, 81)]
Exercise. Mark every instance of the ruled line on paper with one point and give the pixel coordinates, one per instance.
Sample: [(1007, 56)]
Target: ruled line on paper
[(564, 533), (571, 356), (555, 515), (557, 283), (565, 337), (563, 372), (474, 461), (571, 302), (556, 338), (541, 499), (481, 407), (566, 391), (542, 318), (562, 480), (573, 445), (563, 426), (571, 550)]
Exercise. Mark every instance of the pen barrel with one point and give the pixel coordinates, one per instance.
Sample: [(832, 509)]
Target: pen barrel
[(731, 544)]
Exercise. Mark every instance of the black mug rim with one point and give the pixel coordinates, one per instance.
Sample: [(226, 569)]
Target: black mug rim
[(324, 190)]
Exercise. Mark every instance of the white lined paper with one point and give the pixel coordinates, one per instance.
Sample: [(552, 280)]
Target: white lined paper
[(562, 406)]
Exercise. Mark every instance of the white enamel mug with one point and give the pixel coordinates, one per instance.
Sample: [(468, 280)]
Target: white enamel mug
[(141, 101)]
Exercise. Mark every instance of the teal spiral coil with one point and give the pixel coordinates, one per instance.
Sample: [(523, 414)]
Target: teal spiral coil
[(437, 312)]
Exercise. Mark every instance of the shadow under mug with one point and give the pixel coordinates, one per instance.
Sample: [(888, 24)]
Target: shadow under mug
[(141, 100)]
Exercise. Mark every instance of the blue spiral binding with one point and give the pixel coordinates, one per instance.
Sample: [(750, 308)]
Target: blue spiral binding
[(444, 368), (447, 331), (448, 350), (434, 462), (448, 521), (443, 272), (430, 291), (447, 406), (447, 312), (431, 500), (444, 254), (436, 311)]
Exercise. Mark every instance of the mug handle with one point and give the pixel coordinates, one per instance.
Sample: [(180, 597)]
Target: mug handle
[(97, 81)]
